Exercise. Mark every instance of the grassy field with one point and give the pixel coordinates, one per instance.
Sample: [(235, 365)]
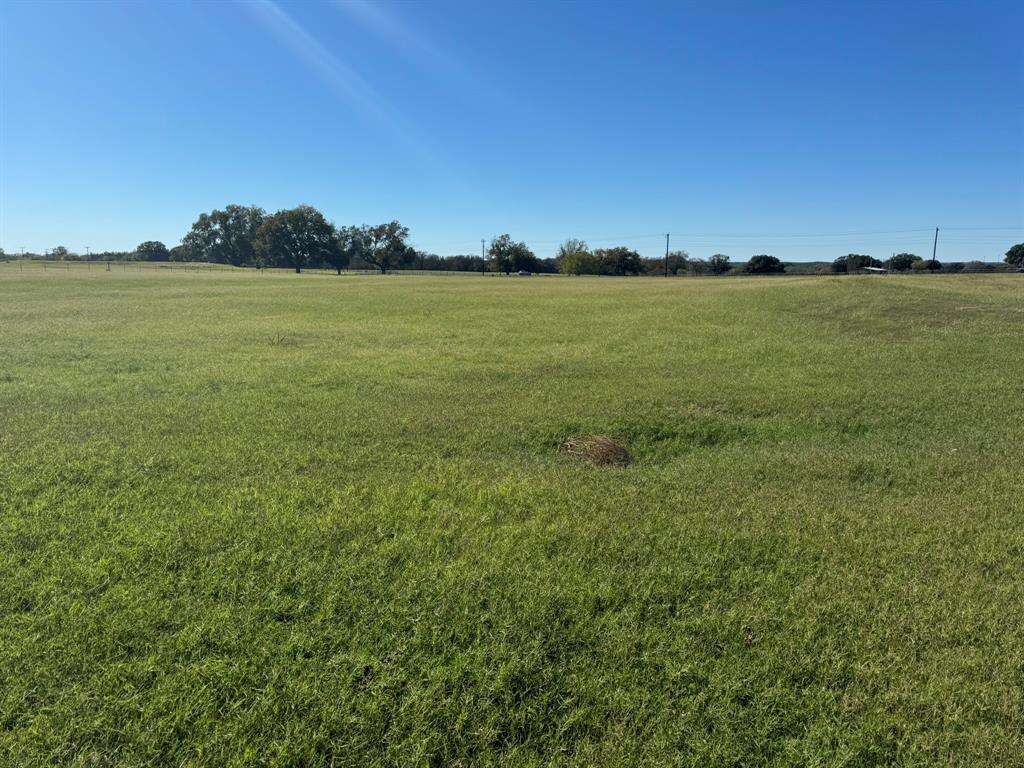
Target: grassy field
[(315, 520)]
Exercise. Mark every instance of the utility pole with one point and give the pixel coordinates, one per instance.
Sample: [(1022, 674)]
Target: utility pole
[(483, 259), (935, 245), (666, 254), (88, 256)]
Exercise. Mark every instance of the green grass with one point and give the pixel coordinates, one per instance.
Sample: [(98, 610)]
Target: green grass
[(311, 520)]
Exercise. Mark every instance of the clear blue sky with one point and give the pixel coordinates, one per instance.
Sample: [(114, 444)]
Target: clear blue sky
[(741, 127)]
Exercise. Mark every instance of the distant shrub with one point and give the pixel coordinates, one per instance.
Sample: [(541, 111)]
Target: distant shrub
[(927, 265), (619, 261), (808, 267), (901, 262), (764, 265), (1015, 255), (678, 262), (508, 256), (719, 264), (604, 261), (579, 263), (182, 253), (854, 261), (152, 250)]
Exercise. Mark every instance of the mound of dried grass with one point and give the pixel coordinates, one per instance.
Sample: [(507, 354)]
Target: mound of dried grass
[(599, 450)]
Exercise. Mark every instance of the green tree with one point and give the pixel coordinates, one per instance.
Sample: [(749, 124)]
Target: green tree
[(227, 236), (181, 253), (764, 265), (901, 262), (854, 261), (296, 238), (508, 256), (152, 250), (678, 261), (719, 264), (927, 265), (346, 245), (1015, 255), (60, 252), (571, 246), (619, 261), (579, 263), (383, 246), (574, 257)]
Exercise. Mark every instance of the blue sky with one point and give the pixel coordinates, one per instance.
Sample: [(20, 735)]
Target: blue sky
[(805, 130)]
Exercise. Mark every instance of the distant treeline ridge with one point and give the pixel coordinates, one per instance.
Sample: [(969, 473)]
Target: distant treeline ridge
[(301, 238)]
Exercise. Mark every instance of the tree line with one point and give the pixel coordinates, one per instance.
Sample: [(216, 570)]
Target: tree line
[(295, 238), (909, 262), (302, 238)]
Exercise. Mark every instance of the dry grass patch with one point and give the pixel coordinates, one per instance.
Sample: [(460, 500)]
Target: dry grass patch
[(599, 450)]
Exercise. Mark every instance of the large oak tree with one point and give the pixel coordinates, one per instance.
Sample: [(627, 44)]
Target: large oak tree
[(508, 256), (383, 246), (227, 236), (764, 265), (152, 250), (619, 261), (296, 238), (1016, 255)]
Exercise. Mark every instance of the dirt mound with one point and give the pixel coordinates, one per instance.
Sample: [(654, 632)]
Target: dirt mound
[(599, 450)]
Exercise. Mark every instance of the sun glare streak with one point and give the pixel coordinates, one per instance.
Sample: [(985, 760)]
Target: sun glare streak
[(423, 51), (401, 35), (344, 81)]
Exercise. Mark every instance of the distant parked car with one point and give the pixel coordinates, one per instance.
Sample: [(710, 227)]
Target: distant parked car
[(524, 273)]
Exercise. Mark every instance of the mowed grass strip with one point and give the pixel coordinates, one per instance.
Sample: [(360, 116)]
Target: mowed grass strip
[(317, 520)]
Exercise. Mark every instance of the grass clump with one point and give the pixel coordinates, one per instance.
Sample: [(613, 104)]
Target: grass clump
[(598, 450)]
